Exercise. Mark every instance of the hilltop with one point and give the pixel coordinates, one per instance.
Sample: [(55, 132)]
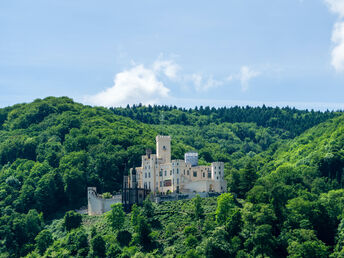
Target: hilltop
[(283, 168)]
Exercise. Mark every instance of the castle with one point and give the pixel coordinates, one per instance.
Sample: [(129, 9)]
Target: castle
[(159, 174)]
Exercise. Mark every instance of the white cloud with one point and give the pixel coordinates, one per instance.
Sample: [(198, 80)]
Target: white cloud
[(337, 61), (338, 49), (204, 84), (168, 67), (246, 74), (336, 6), (136, 85)]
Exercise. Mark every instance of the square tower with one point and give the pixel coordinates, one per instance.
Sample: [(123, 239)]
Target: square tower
[(163, 148)]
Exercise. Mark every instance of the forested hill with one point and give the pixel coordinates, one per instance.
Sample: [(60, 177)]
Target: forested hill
[(290, 119), (284, 166)]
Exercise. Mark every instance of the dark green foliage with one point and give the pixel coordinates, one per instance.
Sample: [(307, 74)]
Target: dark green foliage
[(143, 234), (98, 246), (77, 243), (43, 241), (198, 210), (72, 220), (124, 237)]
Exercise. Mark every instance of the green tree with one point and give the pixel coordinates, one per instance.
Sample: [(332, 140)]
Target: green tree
[(135, 212), (225, 205), (98, 246), (116, 216), (197, 207), (72, 220), (43, 240)]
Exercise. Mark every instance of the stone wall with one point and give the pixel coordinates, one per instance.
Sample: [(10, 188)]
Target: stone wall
[(98, 205)]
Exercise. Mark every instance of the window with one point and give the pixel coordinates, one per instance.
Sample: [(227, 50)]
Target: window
[(165, 173), (160, 173), (217, 178), (149, 186), (209, 175), (145, 185), (149, 174), (145, 175), (177, 171), (170, 172), (203, 174), (167, 182), (184, 171), (195, 173), (188, 172), (160, 183), (177, 181)]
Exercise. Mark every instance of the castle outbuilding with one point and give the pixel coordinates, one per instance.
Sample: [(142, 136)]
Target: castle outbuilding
[(159, 174)]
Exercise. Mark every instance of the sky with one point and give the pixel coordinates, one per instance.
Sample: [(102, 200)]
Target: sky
[(183, 53)]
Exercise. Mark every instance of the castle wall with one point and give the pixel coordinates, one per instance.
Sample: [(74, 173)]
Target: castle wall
[(98, 205)]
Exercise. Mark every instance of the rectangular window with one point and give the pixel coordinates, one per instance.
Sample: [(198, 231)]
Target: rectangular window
[(177, 181), (160, 173), (203, 174), (165, 173), (145, 175), (149, 185), (149, 174), (168, 182), (195, 173), (209, 175), (188, 172), (160, 183), (170, 172), (177, 171)]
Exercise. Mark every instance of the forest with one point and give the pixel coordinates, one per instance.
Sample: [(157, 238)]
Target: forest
[(284, 169)]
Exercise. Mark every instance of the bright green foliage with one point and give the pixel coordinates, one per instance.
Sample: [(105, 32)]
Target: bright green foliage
[(304, 243), (116, 216), (72, 220), (225, 205)]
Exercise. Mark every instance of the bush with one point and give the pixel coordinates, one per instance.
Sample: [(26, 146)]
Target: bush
[(124, 237), (98, 246), (43, 241), (72, 220)]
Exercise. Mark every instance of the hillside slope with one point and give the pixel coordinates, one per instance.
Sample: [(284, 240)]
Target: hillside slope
[(52, 149)]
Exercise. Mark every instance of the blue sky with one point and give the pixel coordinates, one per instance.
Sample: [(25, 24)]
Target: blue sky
[(184, 53)]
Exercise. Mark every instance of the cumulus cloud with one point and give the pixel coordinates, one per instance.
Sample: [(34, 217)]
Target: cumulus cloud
[(136, 85), (204, 84), (337, 55), (168, 67)]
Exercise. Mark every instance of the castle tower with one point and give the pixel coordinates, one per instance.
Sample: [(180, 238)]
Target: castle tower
[(163, 148)]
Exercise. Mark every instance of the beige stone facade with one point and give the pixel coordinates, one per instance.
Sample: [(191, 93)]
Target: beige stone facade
[(160, 174)]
